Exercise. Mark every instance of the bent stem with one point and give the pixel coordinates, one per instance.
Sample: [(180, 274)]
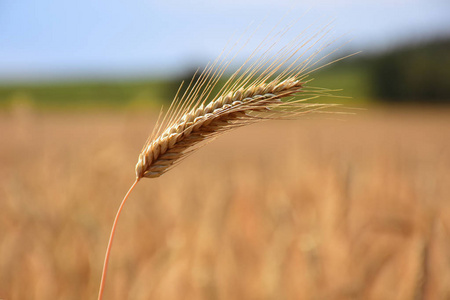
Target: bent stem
[(111, 237)]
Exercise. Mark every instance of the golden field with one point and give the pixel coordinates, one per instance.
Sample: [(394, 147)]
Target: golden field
[(329, 207)]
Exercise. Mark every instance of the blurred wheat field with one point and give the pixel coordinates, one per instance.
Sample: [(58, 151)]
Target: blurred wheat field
[(312, 209)]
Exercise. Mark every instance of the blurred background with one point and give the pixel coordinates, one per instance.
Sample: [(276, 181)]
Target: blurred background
[(90, 53), (330, 207)]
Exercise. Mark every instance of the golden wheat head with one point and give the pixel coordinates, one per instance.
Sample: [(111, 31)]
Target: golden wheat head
[(272, 86)]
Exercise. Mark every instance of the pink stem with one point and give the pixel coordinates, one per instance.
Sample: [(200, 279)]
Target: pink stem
[(111, 237)]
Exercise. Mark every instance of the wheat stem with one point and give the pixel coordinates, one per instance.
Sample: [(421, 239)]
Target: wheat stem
[(111, 238)]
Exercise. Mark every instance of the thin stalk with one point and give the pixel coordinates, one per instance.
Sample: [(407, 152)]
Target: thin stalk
[(111, 238)]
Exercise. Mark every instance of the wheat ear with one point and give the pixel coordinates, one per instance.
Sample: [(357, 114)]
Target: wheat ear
[(202, 123), (271, 84)]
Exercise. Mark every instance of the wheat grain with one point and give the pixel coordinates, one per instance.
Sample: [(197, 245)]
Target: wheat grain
[(245, 98), (202, 123)]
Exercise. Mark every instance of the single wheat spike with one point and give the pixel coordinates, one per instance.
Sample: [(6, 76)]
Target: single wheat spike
[(271, 84), (203, 123)]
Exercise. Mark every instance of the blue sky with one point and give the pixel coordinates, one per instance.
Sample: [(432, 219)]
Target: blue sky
[(44, 39)]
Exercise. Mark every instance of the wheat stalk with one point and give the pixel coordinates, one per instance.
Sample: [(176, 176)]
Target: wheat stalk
[(271, 84)]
